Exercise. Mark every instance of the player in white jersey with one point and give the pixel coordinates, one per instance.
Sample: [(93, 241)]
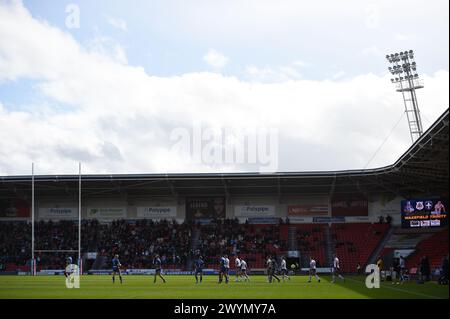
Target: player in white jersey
[(336, 270), (313, 270), (227, 265), (237, 263), (69, 267), (284, 270), (402, 269), (244, 270)]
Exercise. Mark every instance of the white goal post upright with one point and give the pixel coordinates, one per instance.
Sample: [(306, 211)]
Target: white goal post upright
[(80, 269), (33, 262)]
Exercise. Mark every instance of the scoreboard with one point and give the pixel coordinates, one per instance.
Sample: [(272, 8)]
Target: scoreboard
[(424, 213)]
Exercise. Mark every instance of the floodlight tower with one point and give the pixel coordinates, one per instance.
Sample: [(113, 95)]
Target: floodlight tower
[(406, 80)]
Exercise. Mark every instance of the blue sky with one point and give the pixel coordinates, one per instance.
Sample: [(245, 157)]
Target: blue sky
[(170, 37), (174, 62)]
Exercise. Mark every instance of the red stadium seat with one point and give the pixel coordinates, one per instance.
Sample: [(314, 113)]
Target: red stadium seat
[(434, 247)]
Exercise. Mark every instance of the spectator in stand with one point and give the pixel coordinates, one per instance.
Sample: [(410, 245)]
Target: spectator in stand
[(381, 219), (388, 219), (380, 265), (424, 269), (427, 269), (358, 268), (421, 269), (443, 279), (397, 270)]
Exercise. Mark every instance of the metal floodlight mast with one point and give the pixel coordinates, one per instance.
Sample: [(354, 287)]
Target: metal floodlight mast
[(406, 79)]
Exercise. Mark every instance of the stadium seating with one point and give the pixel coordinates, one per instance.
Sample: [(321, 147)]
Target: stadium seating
[(133, 241), (15, 244), (252, 242), (434, 247), (137, 240), (354, 243), (311, 241)]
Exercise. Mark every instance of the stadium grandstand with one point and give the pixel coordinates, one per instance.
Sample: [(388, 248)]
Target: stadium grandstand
[(356, 214)]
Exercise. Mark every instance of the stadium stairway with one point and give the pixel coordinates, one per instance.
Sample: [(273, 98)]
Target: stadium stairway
[(329, 246), (355, 242), (292, 238), (310, 241), (195, 243), (406, 238), (381, 246)]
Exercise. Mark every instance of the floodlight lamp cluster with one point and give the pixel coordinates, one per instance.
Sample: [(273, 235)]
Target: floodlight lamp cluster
[(396, 57), (403, 66)]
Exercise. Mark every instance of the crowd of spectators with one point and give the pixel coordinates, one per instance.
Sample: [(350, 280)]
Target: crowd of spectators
[(308, 240), (15, 243), (229, 237), (383, 220), (136, 242)]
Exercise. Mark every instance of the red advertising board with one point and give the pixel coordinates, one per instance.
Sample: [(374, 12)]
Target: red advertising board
[(308, 210), (14, 208), (350, 207)]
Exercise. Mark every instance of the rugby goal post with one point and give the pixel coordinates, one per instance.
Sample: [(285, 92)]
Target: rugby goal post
[(33, 263)]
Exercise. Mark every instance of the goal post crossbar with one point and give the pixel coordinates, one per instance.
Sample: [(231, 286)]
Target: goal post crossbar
[(55, 251)]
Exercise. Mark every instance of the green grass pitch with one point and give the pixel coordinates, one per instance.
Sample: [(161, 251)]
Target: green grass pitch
[(184, 287)]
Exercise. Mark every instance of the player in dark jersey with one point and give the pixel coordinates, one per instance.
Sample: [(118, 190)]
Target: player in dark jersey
[(402, 264), (223, 272), (116, 268), (199, 264), (397, 270), (157, 264), (271, 267)]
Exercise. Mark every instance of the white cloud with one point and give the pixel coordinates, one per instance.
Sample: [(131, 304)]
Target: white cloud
[(107, 46), (264, 74), (372, 19), (338, 75), (404, 37), (117, 23), (301, 64), (119, 118), (269, 74), (373, 50), (215, 59)]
